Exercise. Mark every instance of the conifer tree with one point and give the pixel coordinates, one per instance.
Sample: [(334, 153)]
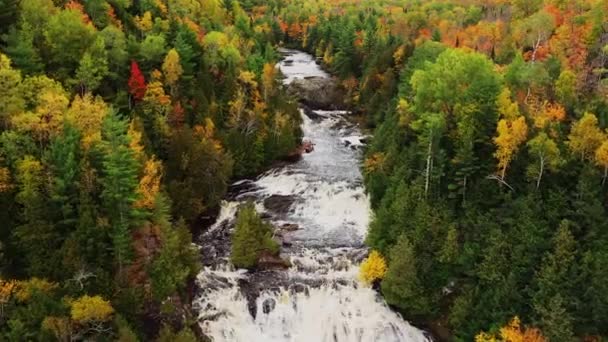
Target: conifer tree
[(119, 181), (251, 238)]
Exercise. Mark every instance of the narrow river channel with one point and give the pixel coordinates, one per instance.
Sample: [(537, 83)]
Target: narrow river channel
[(321, 204)]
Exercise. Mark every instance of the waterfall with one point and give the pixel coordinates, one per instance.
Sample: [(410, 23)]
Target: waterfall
[(319, 297)]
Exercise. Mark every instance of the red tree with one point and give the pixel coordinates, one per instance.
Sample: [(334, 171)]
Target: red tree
[(137, 83)]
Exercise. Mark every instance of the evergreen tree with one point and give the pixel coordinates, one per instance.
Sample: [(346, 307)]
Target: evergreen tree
[(401, 285), (119, 182), (251, 238)]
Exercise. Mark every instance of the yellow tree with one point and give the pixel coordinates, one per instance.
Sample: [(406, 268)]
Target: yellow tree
[(87, 114), (172, 69), (511, 134), (268, 80), (372, 268), (88, 309), (149, 184), (513, 332), (144, 23), (585, 137), (5, 179), (601, 159), (46, 121)]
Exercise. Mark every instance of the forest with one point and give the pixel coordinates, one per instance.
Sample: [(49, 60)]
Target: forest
[(488, 165), (123, 122)]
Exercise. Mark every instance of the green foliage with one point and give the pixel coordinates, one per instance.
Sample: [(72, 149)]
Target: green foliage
[(251, 239), (401, 286), (119, 181)]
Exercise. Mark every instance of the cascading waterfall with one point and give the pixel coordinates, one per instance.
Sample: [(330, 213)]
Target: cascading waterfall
[(319, 297)]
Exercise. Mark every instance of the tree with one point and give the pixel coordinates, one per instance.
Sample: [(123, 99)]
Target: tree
[(430, 128), (11, 101), (21, 49), (251, 239), (198, 171), (36, 236), (87, 309), (566, 88), (172, 69), (68, 38), (93, 67), (137, 83), (149, 184), (116, 50), (64, 158), (373, 268), (556, 280), (513, 332), (601, 159), (547, 154), (510, 136), (401, 285), (87, 113), (46, 121), (153, 48), (268, 81), (175, 263), (585, 136), (119, 181)]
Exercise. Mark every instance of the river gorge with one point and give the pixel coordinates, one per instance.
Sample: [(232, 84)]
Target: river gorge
[(321, 212)]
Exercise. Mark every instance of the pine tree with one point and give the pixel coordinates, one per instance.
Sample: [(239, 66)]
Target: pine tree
[(401, 285), (251, 238), (119, 181)]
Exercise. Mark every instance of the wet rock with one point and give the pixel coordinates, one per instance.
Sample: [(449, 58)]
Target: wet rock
[(299, 288), (271, 261), (364, 141), (341, 265), (318, 92), (286, 241), (268, 305), (290, 227), (279, 204), (288, 62)]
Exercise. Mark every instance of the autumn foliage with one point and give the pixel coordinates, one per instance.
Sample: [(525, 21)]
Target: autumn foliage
[(373, 268), (137, 83)]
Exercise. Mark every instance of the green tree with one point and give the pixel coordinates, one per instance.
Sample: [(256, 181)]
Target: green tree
[(119, 182), (252, 238), (556, 280), (68, 38), (93, 67), (20, 47), (401, 285)]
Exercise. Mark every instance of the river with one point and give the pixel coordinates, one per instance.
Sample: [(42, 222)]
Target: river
[(321, 199)]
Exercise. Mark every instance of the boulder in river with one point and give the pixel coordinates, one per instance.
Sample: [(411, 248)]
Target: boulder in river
[(279, 204), (290, 227), (318, 92)]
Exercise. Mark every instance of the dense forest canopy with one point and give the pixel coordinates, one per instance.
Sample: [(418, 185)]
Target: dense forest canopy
[(488, 168), (123, 122)]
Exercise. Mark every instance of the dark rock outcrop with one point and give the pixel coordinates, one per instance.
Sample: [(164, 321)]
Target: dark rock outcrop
[(317, 93)]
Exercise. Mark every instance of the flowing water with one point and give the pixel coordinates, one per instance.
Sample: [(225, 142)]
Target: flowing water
[(321, 203)]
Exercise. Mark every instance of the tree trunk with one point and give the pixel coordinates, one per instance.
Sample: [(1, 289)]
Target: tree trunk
[(540, 172), (429, 160)]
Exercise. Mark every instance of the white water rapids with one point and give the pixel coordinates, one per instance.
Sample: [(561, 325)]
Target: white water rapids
[(319, 297)]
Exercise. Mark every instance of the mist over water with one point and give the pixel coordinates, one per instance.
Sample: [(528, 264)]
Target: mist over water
[(319, 297)]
